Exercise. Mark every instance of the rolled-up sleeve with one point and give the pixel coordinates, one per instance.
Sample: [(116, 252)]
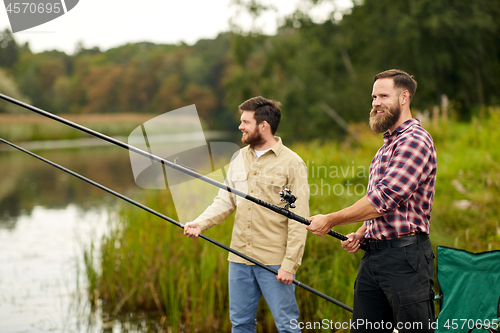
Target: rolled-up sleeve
[(403, 174)]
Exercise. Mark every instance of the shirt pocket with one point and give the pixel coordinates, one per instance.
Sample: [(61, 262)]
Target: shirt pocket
[(239, 180), (270, 187)]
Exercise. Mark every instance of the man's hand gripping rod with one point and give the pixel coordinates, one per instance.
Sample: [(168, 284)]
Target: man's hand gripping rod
[(287, 196)]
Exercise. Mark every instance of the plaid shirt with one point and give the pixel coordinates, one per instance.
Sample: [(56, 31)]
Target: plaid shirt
[(401, 183)]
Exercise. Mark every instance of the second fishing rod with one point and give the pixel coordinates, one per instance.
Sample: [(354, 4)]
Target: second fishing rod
[(285, 194)]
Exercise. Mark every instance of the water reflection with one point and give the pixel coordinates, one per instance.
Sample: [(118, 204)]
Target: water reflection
[(40, 262), (27, 182)]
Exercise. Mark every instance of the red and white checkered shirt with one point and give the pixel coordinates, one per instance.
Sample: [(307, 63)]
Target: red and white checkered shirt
[(401, 183)]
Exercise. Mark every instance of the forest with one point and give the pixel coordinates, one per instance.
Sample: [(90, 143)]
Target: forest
[(321, 72)]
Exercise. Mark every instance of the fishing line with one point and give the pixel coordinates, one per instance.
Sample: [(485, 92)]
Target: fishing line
[(180, 225)]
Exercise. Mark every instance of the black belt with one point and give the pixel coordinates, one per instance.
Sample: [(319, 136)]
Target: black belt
[(398, 242)]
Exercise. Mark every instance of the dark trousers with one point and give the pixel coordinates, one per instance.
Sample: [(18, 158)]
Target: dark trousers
[(393, 290)]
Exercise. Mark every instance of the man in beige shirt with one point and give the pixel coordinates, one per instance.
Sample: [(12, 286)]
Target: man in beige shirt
[(261, 169)]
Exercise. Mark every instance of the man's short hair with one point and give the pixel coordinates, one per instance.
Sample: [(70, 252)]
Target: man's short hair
[(401, 80), (265, 109)]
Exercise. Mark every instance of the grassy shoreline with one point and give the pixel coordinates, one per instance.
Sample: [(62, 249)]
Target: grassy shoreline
[(147, 264), (33, 127)]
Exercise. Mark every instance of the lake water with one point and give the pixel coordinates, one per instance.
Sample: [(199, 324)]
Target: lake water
[(47, 219)]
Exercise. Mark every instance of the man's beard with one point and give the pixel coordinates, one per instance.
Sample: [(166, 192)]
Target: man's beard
[(381, 123), (254, 138)]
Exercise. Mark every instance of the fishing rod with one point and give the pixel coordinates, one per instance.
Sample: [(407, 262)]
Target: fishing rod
[(174, 222), (280, 210)]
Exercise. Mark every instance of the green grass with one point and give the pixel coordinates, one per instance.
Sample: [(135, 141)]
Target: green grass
[(147, 264)]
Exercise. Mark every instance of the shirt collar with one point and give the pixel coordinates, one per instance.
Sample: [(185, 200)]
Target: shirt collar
[(276, 149), (278, 146), (401, 128)]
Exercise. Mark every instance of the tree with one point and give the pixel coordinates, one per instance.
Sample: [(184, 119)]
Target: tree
[(452, 47), (9, 87), (9, 50), (102, 88), (36, 75)]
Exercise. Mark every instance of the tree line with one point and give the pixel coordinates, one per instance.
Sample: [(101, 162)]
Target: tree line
[(321, 72)]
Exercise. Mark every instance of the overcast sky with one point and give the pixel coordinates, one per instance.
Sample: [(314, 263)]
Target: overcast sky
[(110, 23)]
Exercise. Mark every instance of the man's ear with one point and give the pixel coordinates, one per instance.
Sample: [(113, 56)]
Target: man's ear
[(265, 125), (405, 97)]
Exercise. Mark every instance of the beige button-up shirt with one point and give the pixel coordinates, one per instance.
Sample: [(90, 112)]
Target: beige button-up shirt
[(258, 232)]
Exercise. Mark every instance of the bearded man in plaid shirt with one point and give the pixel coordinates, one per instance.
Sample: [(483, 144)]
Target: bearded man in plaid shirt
[(393, 289)]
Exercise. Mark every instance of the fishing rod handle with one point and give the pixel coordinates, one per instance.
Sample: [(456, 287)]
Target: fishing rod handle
[(331, 232)]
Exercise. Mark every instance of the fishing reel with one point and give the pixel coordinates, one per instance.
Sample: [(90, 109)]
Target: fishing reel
[(287, 196)]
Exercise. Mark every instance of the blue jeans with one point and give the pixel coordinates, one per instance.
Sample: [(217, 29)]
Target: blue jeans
[(247, 283)]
